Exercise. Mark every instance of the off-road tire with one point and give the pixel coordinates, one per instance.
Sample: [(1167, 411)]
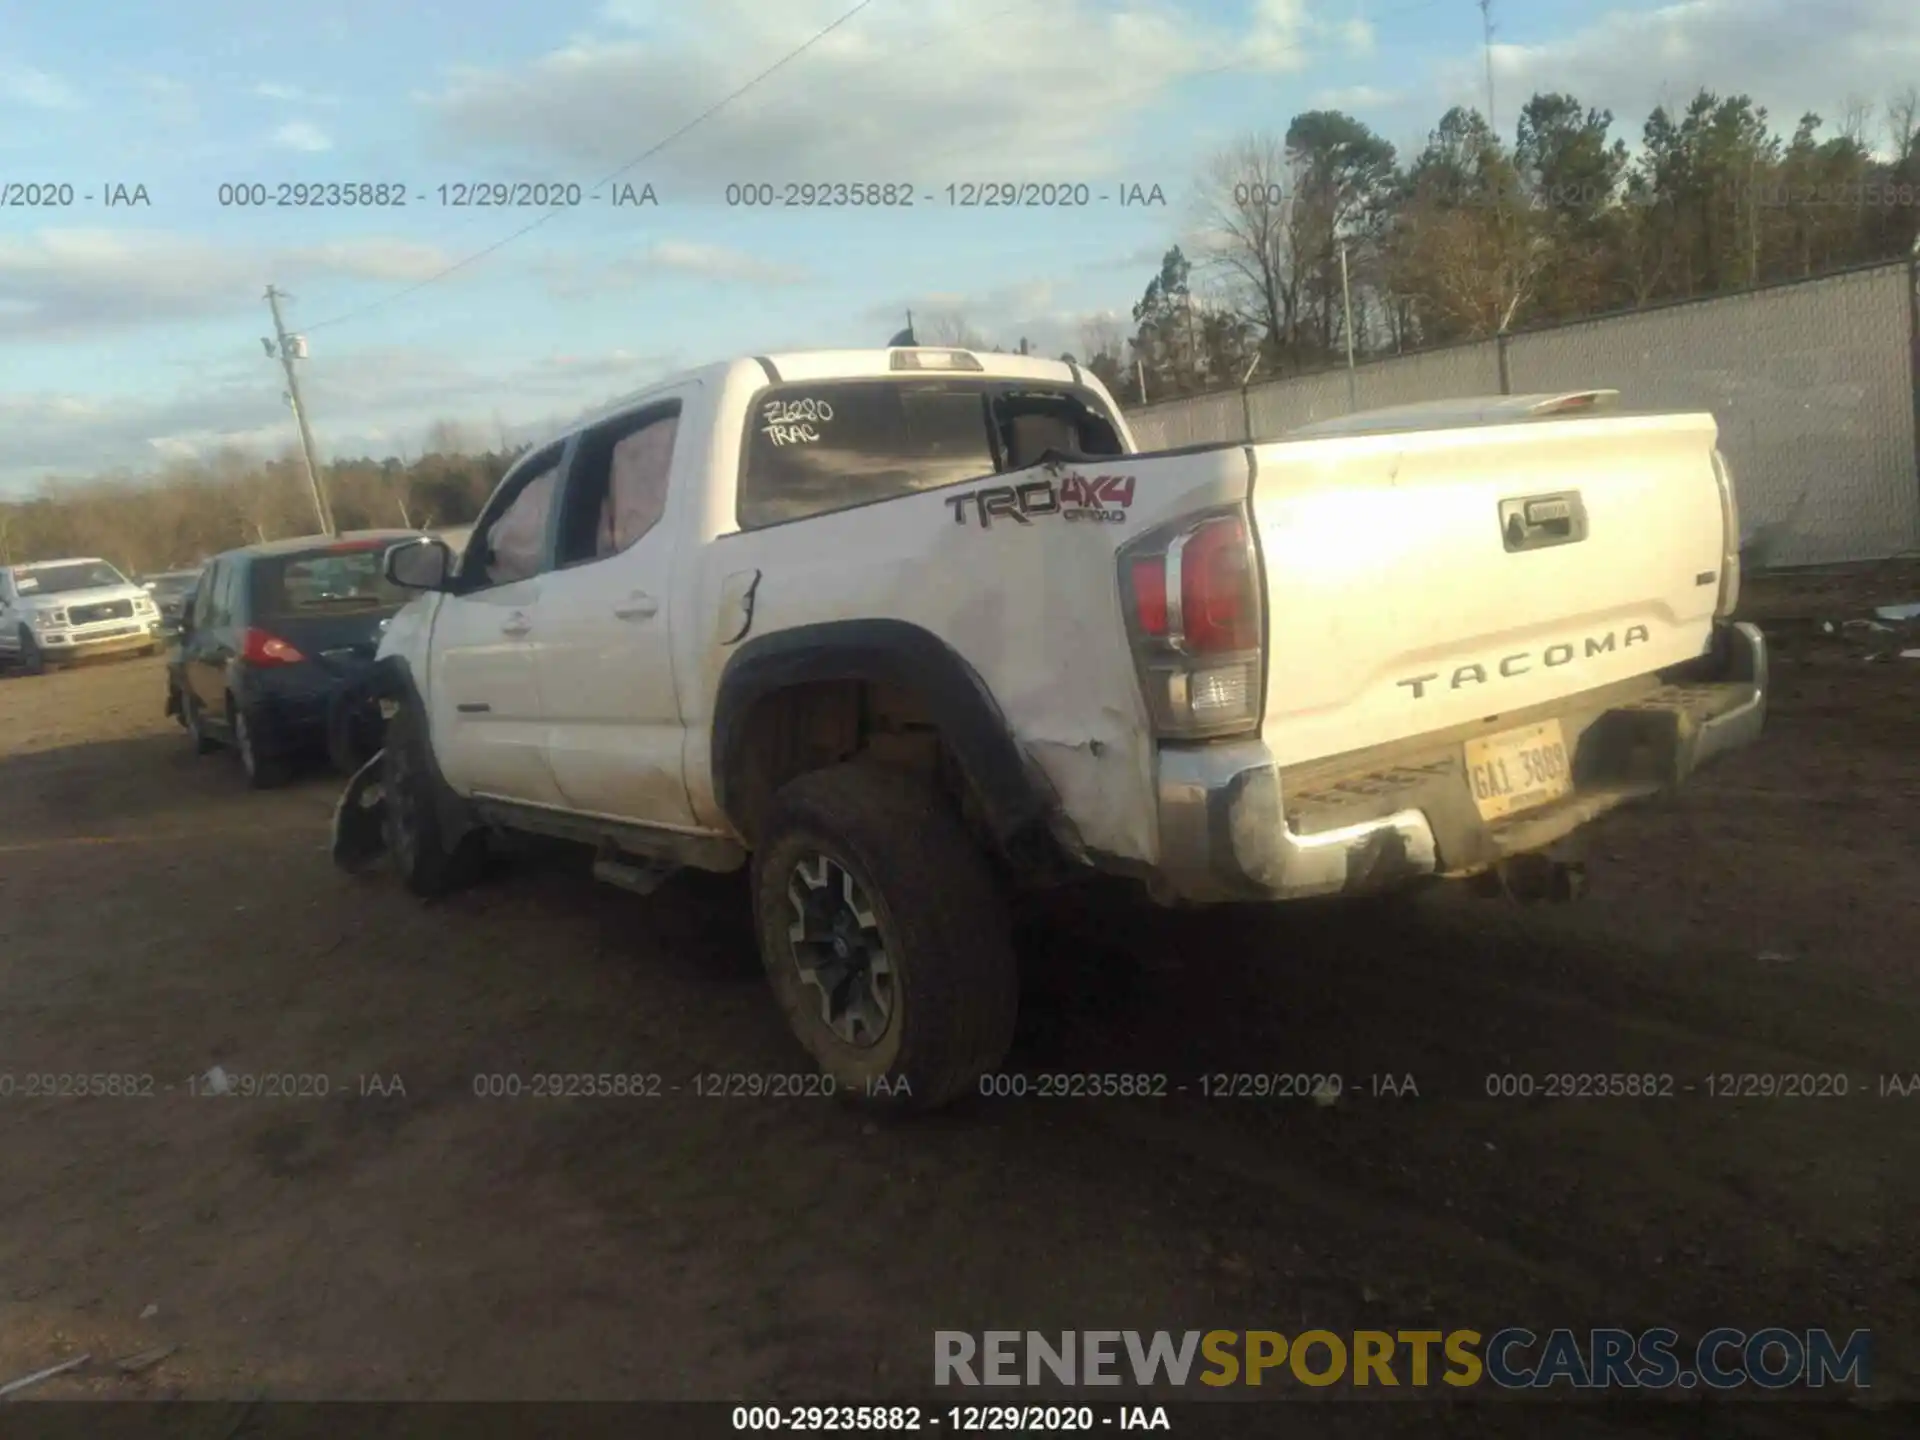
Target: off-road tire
[(416, 842), (941, 916), (263, 772)]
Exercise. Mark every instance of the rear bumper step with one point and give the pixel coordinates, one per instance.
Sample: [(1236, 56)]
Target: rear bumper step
[(1235, 826)]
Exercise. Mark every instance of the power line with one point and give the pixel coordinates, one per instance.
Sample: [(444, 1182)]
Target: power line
[(646, 155)]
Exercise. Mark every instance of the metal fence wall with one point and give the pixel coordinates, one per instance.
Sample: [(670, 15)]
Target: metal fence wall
[(1813, 386)]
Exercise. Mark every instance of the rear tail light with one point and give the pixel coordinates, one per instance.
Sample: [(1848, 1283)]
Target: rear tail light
[(260, 648), (1150, 594), (1195, 614)]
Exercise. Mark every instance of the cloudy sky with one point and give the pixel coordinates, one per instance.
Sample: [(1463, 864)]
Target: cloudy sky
[(129, 332)]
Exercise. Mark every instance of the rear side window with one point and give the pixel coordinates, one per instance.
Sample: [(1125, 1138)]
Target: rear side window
[(323, 582), (811, 449)]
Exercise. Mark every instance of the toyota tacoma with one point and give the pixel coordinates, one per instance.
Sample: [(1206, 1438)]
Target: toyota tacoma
[(907, 632)]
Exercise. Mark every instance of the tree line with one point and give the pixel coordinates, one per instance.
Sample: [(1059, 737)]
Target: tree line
[(1474, 235), (196, 508)]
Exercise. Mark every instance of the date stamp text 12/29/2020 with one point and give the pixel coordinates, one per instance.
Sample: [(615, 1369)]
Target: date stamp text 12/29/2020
[(450, 195), (961, 195)]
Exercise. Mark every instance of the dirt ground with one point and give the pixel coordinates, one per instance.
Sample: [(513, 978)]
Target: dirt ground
[(156, 918)]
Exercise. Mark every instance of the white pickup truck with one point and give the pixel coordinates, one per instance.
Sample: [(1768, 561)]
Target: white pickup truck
[(909, 630), (57, 610)]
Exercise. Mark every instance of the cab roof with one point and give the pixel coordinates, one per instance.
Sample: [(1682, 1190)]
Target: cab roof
[(298, 543), (799, 366)]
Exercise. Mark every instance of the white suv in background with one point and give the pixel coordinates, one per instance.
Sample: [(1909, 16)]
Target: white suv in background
[(56, 610)]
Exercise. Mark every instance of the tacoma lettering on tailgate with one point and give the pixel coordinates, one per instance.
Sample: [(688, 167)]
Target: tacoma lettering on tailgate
[(1510, 667)]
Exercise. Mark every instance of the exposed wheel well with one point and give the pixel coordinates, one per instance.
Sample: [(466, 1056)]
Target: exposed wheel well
[(816, 724)]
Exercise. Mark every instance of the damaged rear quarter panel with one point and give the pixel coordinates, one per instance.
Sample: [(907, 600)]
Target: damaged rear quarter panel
[(1033, 607)]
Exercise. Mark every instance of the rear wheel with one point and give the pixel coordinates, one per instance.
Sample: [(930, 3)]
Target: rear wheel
[(416, 841), (884, 936), (263, 771)]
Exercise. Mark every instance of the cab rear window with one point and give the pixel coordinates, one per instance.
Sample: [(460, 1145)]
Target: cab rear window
[(811, 449), (323, 582)]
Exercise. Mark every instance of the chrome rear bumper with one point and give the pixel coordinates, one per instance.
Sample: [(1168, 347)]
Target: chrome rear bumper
[(1226, 832)]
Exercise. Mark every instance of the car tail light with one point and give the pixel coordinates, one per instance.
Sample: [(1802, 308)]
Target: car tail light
[(260, 648), (1195, 614), (1218, 607), (1150, 594)]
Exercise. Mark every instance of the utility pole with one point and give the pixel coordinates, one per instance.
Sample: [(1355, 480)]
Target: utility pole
[(285, 354), (1193, 344), (1486, 41), (1140, 369), (1346, 302)]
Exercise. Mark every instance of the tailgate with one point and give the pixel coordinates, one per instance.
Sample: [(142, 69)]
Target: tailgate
[(1420, 581)]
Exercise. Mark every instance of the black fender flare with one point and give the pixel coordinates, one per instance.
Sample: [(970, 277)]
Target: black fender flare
[(391, 678), (889, 652)]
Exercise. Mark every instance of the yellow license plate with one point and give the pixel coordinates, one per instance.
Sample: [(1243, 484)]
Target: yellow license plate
[(1518, 769)]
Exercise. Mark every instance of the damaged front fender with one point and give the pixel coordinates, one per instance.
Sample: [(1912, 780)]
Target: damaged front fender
[(359, 820)]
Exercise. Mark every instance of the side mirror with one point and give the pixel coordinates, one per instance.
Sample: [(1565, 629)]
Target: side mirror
[(423, 564)]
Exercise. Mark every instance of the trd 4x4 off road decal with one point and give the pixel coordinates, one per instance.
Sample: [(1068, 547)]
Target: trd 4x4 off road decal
[(1100, 498)]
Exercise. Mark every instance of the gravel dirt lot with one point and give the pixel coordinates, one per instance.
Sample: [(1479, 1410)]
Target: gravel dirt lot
[(156, 918)]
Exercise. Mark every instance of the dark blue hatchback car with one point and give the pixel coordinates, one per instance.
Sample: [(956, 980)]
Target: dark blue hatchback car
[(271, 642)]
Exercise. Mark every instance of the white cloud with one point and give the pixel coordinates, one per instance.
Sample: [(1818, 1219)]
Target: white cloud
[(299, 135), (1357, 35), (925, 93), (369, 258), (63, 284), (1358, 97), (292, 94), (36, 89), (1788, 56), (664, 260), (1276, 40), (719, 262)]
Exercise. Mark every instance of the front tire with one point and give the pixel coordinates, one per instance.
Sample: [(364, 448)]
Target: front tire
[(416, 842), (33, 660), (885, 937)]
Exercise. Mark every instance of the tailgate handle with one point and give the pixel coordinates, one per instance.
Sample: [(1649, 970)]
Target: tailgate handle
[(1535, 522)]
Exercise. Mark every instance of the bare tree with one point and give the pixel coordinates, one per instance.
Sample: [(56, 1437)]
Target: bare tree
[(951, 328), (1252, 239)]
